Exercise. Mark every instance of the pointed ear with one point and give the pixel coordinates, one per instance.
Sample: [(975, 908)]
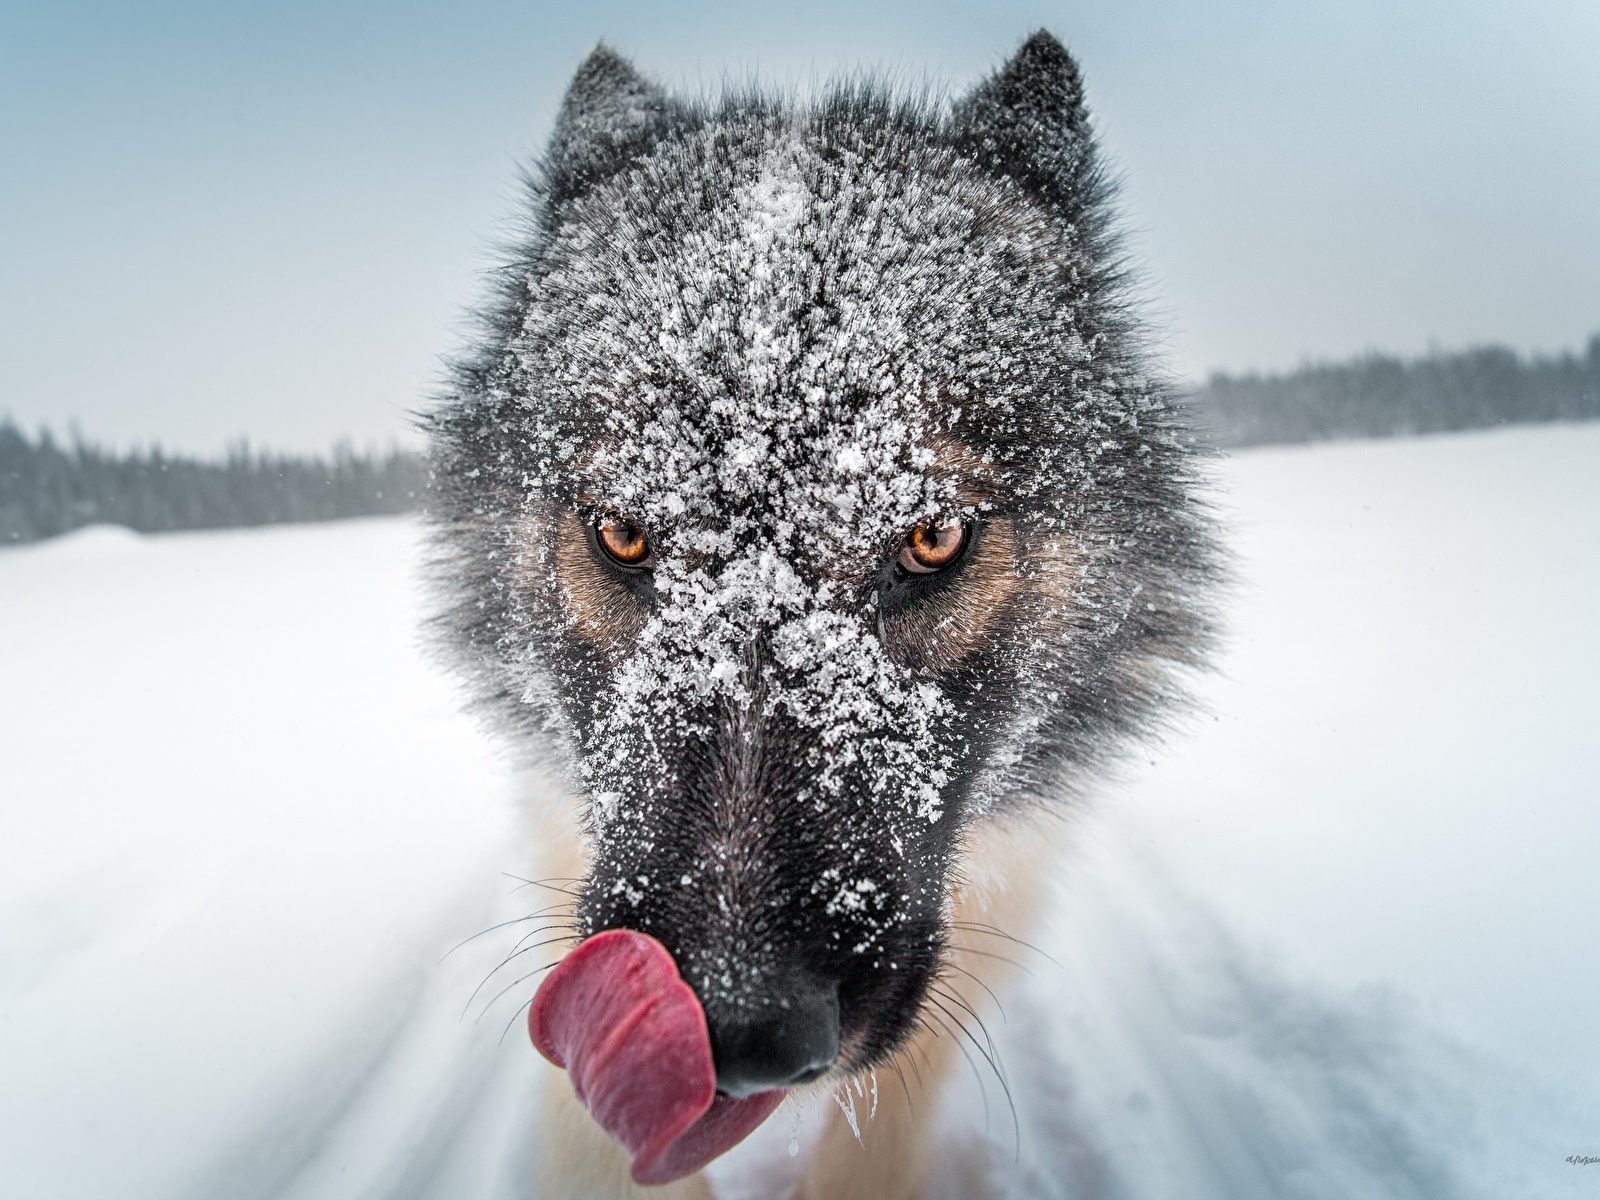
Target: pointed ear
[(1027, 122), (611, 115)]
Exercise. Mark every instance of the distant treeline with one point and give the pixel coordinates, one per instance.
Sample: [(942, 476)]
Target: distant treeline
[(48, 488), (1380, 396)]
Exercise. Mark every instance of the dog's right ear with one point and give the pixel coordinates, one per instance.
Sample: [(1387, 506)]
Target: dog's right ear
[(611, 115)]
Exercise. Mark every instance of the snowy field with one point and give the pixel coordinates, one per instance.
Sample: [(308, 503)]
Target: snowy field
[(1336, 938)]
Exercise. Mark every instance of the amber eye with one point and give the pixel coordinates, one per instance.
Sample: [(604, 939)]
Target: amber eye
[(933, 546), (623, 541)]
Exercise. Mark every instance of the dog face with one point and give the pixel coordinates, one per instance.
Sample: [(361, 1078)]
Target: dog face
[(809, 491)]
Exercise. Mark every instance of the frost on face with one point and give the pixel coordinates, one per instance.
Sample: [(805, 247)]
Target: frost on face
[(777, 345), (825, 669), (764, 416), (769, 338)]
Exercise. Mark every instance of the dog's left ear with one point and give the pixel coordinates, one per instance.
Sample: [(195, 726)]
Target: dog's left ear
[(1028, 122)]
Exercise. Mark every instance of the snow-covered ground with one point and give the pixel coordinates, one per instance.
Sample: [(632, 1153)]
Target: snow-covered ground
[(1337, 938)]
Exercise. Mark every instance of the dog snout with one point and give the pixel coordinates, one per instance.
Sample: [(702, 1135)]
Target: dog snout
[(783, 1045)]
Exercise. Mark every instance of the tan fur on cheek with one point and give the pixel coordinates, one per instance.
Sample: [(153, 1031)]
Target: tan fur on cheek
[(961, 618), (599, 607)]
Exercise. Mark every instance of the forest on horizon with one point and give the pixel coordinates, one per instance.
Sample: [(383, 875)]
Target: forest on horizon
[(1381, 395), (50, 487)]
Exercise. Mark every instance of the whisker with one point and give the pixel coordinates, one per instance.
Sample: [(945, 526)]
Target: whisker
[(547, 883), (503, 963), (992, 1058), (996, 931), (509, 986), (989, 954), (521, 1008), (523, 941), (894, 1062), (922, 1052), (976, 1074), (988, 1054), (545, 928), (521, 949), (967, 1008), (999, 1008), (482, 933)]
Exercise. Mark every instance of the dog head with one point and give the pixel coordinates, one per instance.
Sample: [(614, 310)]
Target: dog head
[(811, 492)]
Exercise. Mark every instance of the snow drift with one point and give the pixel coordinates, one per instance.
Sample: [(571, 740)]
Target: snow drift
[(1334, 939)]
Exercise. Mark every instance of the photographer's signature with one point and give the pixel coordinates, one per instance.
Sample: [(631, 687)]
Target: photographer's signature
[(1582, 1160)]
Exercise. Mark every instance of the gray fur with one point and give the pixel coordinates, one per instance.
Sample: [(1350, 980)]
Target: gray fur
[(779, 335)]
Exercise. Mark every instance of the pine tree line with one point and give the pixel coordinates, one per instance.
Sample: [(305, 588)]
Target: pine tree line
[(47, 488), (1381, 396)]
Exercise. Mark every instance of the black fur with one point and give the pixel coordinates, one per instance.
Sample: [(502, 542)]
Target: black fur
[(719, 312)]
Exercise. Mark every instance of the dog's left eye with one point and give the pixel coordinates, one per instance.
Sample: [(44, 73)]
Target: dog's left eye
[(933, 546), (623, 541)]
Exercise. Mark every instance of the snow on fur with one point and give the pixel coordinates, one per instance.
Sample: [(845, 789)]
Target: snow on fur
[(777, 336)]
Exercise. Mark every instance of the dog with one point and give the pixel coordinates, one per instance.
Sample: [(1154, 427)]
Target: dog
[(812, 501)]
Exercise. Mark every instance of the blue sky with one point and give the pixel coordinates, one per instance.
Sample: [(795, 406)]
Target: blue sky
[(245, 220)]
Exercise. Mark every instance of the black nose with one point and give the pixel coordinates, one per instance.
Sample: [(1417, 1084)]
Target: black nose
[(790, 1041)]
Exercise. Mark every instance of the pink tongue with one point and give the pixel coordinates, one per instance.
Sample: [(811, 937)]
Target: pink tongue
[(633, 1037)]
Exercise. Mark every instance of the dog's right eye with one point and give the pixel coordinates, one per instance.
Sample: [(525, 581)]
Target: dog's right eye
[(623, 541)]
